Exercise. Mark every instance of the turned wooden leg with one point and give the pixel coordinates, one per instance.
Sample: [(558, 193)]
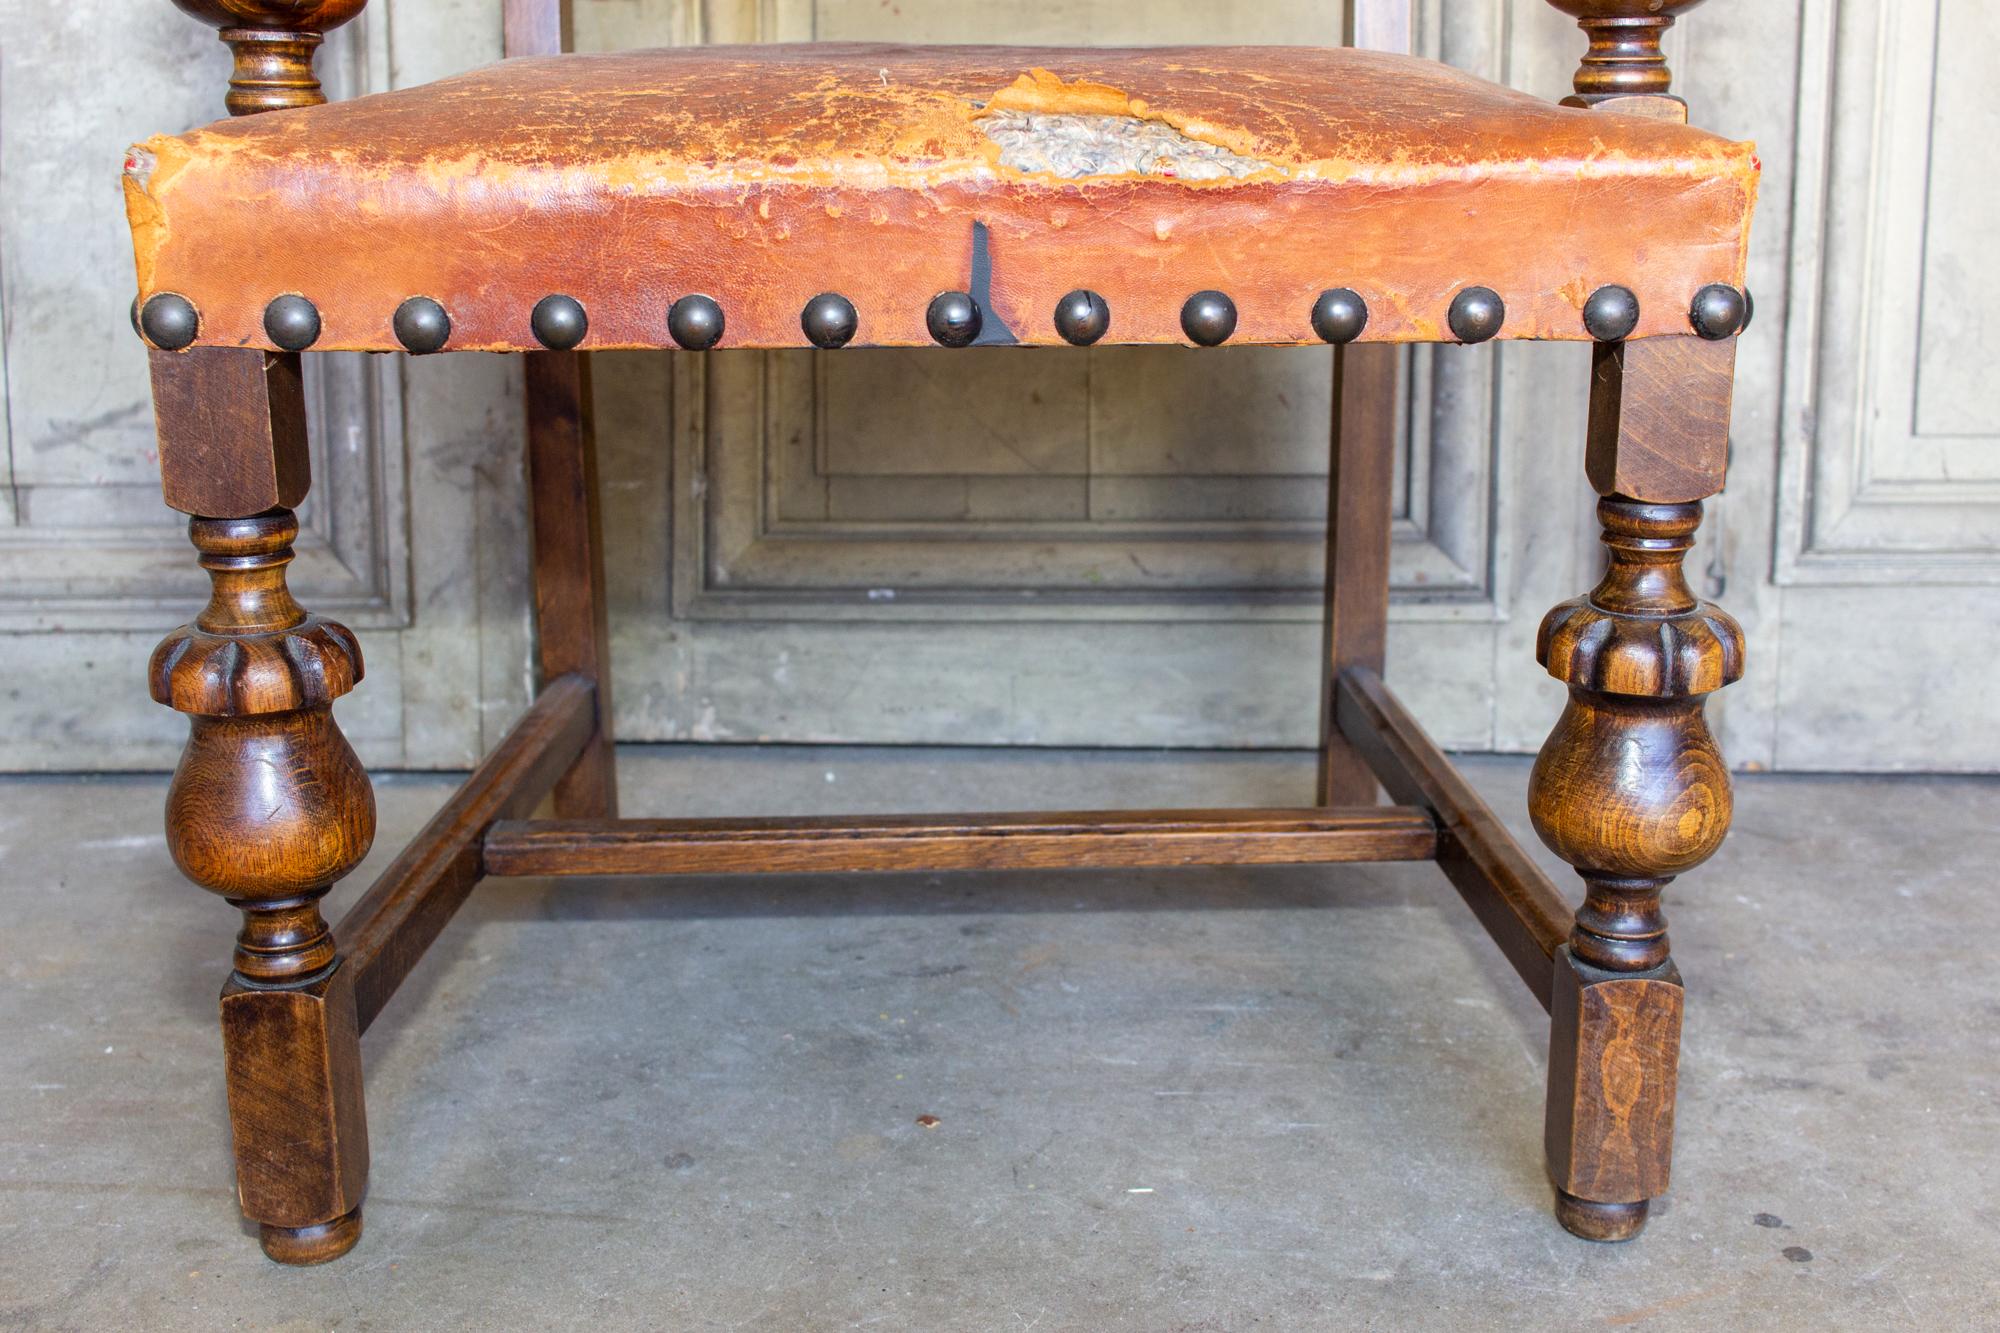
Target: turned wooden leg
[(1631, 790), (268, 808)]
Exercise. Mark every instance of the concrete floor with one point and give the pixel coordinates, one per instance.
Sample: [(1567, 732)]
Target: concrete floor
[(1285, 1098)]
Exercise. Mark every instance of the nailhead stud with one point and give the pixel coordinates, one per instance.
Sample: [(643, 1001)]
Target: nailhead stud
[(954, 318), (169, 321), (1208, 318), (422, 325), (1611, 313), (1339, 315), (1082, 317), (1717, 311), (829, 320), (695, 321), (1476, 314), (291, 322), (559, 322)]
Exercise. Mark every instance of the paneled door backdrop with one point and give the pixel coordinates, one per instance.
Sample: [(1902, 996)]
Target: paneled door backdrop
[(1113, 547)]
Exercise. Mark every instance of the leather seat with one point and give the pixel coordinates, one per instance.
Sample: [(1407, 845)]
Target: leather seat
[(764, 176)]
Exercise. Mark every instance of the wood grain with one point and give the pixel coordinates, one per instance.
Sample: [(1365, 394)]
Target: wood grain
[(1367, 382), (572, 624), (232, 430), (271, 806), (1630, 787), (268, 808), (388, 929), (274, 42), (1506, 890), (1071, 839), (1659, 418), (1624, 57), (293, 1061), (1615, 1043)]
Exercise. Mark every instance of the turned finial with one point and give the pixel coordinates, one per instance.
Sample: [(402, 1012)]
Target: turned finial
[(274, 42), (1624, 59)]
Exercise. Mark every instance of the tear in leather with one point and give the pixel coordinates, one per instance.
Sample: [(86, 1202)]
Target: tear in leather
[(1073, 146)]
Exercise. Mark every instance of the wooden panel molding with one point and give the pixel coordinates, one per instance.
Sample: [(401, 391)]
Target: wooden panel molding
[(1890, 453), (789, 504)]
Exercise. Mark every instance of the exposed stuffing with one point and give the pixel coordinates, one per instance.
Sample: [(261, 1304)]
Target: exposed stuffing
[(139, 165), (1071, 146)]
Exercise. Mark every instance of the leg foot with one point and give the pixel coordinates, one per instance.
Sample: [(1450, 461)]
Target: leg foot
[(329, 1240), (1600, 1221)]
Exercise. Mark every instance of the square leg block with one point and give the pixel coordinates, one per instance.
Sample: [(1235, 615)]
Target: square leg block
[(293, 1060), (1614, 1052)]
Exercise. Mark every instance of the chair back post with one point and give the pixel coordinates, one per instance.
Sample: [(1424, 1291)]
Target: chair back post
[(1624, 59), (274, 42)]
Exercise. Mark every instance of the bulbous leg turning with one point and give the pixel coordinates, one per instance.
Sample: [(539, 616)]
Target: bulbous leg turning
[(1631, 790), (268, 808)]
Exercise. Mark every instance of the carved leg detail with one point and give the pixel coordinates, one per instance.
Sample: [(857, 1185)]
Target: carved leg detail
[(1631, 790), (268, 808)]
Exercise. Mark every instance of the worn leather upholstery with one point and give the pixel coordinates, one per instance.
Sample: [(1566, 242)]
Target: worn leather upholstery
[(764, 175)]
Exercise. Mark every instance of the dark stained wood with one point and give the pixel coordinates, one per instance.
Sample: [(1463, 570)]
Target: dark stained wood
[(253, 652), (1614, 1041), (232, 430), (293, 1060), (1631, 789), (269, 807), (388, 929), (573, 633), (1624, 58), (535, 27), (274, 42), (1093, 839), (1631, 792), (1659, 418), (268, 811), (1367, 382), (1508, 892)]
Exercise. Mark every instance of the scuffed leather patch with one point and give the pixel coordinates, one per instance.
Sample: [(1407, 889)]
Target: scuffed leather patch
[(1074, 147)]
